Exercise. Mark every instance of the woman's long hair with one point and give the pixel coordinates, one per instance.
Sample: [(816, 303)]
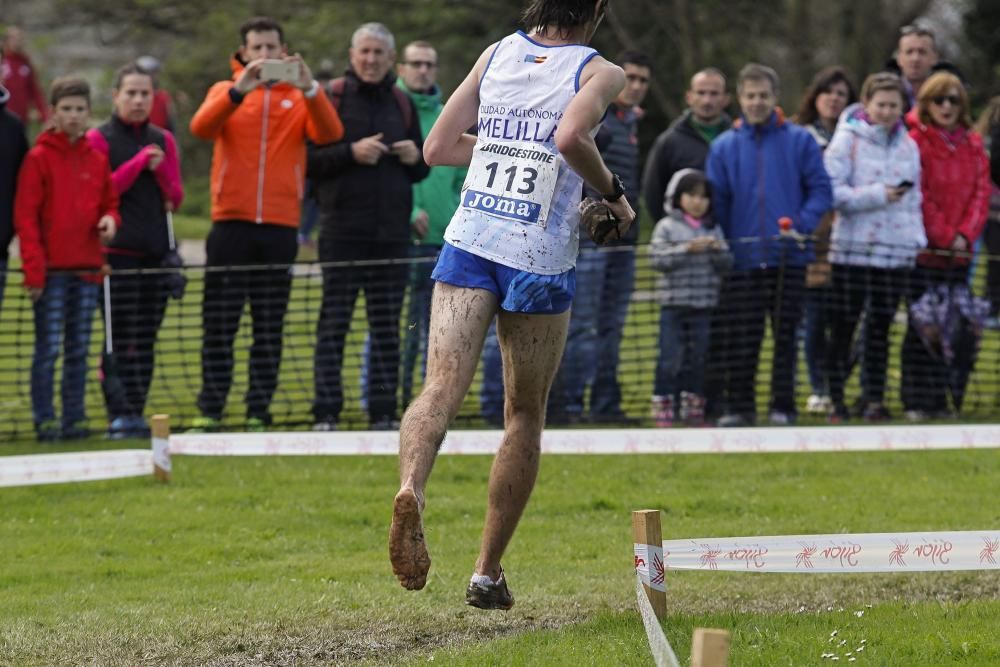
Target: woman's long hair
[(824, 80)]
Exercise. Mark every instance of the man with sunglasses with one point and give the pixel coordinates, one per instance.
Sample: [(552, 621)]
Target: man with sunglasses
[(434, 201)]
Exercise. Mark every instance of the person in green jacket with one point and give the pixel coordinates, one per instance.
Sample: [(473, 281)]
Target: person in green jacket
[(434, 201)]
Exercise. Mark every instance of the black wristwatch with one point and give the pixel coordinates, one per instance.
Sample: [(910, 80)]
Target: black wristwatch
[(619, 188)]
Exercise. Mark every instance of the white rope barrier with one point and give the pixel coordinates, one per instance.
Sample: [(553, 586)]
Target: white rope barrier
[(663, 653), (607, 441), (74, 467), (55, 468), (818, 554)]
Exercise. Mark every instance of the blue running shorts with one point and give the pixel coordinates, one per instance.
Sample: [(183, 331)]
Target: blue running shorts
[(517, 291)]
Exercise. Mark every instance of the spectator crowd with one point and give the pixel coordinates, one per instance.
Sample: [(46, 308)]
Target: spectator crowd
[(820, 224)]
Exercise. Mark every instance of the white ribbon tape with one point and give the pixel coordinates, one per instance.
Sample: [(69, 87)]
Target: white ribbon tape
[(607, 441), (659, 647), (74, 467), (815, 554), (649, 565), (161, 454)]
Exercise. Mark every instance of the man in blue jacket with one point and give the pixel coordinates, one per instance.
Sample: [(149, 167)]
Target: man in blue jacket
[(763, 170)]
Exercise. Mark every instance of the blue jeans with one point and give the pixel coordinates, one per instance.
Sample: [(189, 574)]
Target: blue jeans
[(684, 337), (491, 391), (418, 323), (3, 278), (63, 318), (604, 281), (418, 317), (814, 344)]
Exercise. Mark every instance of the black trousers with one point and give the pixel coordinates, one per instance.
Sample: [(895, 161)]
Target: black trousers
[(238, 244), (876, 292), (384, 285), (926, 378), (138, 303), (991, 240), (747, 300)]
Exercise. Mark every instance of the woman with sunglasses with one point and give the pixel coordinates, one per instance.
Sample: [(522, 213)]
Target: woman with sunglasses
[(955, 183)]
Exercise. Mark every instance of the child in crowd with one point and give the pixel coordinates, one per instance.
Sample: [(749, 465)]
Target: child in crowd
[(65, 207), (691, 255)]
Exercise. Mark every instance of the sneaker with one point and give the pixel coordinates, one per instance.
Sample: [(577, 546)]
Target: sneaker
[(125, 427), (876, 412), (779, 418), (818, 404), (838, 414), (484, 593), (692, 409), (325, 425), (255, 425), (204, 424), (733, 421), (75, 431), (48, 431), (384, 424), (118, 429), (915, 416), (662, 411)]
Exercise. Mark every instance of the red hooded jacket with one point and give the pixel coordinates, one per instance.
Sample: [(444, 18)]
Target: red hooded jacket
[(63, 190), (955, 183)]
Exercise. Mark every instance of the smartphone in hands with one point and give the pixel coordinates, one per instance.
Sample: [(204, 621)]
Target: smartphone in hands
[(904, 185), (279, 70)]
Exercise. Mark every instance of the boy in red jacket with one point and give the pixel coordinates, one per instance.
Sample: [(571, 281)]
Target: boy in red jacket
[(65, 207)]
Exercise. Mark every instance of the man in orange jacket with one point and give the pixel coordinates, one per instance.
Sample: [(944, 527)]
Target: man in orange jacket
[(259, 128)]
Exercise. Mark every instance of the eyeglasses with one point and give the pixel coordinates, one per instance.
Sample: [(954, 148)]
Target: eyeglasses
[(420, 64), (939, 100), (918, 30)]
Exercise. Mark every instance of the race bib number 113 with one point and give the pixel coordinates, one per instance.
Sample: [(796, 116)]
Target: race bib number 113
[(512, 180)]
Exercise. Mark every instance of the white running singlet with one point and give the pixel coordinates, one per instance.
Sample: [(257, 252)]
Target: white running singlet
[(519, 201)]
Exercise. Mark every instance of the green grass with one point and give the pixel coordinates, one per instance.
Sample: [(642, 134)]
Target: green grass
[(283, 561)]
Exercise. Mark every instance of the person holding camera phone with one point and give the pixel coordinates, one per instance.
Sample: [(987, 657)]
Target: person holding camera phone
[(147, 178), (873, 164), (259, 126)]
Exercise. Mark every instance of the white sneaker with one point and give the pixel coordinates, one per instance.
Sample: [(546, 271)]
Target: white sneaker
[(325, 426), (818, 404), (778, 418)]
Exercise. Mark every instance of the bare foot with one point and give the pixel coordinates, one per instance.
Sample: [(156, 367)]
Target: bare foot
[(407, 548)]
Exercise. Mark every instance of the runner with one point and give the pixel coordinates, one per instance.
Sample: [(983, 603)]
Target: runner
[(537, 99)]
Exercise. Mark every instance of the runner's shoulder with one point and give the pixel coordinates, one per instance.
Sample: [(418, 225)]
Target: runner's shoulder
[(600, 68)]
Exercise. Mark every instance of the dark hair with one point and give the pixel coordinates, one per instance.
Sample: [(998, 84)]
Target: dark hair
[(758, 72), (882, 81), (824, 80), (261, 24), (127, 70), (69, 86), (633, 57), (563, 14), (693, 181)]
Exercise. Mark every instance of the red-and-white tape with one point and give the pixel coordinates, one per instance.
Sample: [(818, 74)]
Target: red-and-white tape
[(74, 467), (649, 565), (607, 441), (816, 554)]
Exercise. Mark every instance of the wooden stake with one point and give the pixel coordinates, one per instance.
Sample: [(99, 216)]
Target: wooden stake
[(710, 648), (161, 444), (646, 530)]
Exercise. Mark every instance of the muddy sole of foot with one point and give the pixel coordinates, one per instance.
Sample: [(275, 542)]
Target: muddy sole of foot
[(407, 548)]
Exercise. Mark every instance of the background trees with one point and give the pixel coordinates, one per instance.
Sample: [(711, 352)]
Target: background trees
[(194, 39)]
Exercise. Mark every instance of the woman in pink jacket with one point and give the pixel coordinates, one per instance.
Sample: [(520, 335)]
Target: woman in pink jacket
[(955, 184)]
